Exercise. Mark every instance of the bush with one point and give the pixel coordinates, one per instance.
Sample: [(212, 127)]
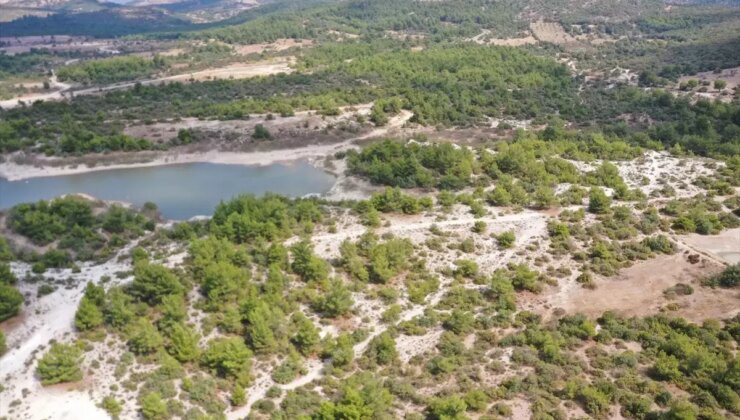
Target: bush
[(60, 364), (10, 301), (382, 349), (152, 282), (730, 277), (261, 133), (506, 240), (111, 406), (598, 201), (88, 315), (452, 407), (594, 401), (153, 407), (660, 244), (228, 358)]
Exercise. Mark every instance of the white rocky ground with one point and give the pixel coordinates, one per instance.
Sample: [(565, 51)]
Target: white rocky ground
[(50, 317)]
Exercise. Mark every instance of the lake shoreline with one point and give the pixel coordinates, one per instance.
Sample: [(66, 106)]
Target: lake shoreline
[(12, 171)]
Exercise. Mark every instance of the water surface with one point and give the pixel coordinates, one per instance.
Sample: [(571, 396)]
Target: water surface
[(180, 191)]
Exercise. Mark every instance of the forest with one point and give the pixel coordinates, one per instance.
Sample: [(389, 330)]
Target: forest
[(111, 70)]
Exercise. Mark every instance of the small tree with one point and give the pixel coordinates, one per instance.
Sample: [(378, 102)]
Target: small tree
[(544, 197), (60, 364), (145, 338), (382, 349), (452, 407), (112, 406), (183, 343), (261, 133), (229, 358), (88, 315), (238, 396), (506, 239), (152, 282), (153, 407), (307, 335), (720, 84), (598, 201), (337, 302), (10, 301)]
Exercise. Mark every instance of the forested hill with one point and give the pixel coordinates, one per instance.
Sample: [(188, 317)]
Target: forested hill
[(293, 18), (111, 22)]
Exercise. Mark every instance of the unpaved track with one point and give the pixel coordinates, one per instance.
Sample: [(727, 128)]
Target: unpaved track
[(236, 71)]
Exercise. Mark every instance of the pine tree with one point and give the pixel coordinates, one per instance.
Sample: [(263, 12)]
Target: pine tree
[(88, 315)]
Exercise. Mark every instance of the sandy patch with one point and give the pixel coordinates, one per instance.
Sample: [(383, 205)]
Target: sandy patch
[(551, 32), (485, 39), (655, 170), (725, 246), (638, 291), (731, 76), (232, 71), (279, 45), (46, 318)]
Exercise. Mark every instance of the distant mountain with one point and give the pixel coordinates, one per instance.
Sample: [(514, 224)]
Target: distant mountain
[(735, 3), (109, 18), (116, 18), (107, 22)]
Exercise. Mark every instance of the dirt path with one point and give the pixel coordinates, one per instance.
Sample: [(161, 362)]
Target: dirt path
[(59, 89), (236, 71)]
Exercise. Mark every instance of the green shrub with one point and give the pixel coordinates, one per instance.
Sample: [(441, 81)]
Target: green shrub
[(229, 358), (153, 407), (10, 301), (60, 364), (598, 201), (111, 406), (261, 133), (88, 315), (730, 277), (506, 240)]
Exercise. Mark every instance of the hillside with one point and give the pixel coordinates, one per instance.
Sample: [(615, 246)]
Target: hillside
[(370, 210)]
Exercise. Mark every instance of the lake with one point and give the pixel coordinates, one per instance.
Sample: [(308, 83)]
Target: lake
[(180, 191)]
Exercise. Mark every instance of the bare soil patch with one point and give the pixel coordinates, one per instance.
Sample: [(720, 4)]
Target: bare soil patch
[(552, 32), (725, 246), (639, 291), (279, 45), (484, 38), (731, 76)]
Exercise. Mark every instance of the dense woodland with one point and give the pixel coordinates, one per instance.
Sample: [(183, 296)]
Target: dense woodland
[(450, 85), (111, 70)]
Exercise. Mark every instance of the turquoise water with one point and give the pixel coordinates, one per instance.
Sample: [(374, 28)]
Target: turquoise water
[(180, 191)]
